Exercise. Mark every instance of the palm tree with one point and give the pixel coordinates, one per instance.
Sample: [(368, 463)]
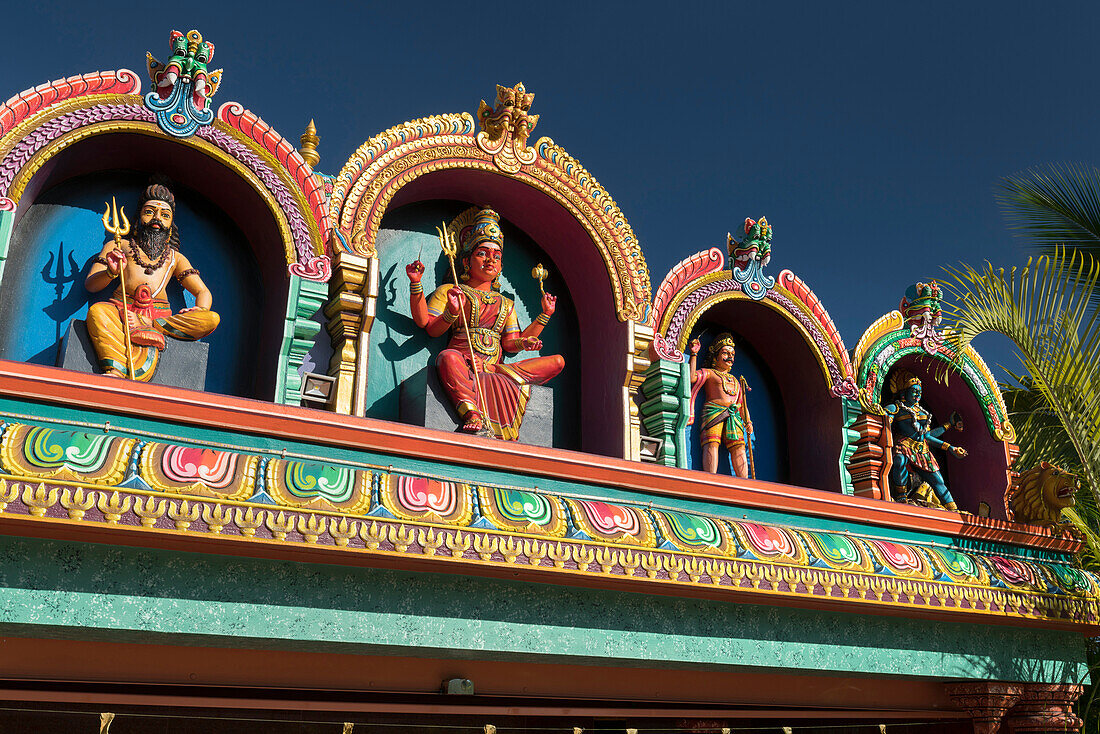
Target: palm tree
[(1048, 309), (1054, 206), (1045, 309)]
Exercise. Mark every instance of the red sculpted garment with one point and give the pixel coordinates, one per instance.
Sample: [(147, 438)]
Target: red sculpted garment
[(505, 387)]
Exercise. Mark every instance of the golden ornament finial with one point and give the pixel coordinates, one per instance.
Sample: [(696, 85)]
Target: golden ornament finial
[(540, 274), (309, 142)]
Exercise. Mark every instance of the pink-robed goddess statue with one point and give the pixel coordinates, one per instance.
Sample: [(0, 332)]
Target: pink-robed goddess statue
[(484, 389)]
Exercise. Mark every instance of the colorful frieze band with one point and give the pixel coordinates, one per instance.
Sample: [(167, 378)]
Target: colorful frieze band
[(99, 478)]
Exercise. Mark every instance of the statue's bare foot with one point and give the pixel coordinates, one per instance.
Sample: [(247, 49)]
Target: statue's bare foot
[(473, 423)]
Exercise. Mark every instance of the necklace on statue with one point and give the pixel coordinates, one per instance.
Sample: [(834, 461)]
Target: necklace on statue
[(150, 266)]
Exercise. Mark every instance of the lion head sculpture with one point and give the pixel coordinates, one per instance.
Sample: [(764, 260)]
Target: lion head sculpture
[(1040, 494)]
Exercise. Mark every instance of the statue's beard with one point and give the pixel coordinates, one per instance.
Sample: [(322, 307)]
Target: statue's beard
[(153, 241)]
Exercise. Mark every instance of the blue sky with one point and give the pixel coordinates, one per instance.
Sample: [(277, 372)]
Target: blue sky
[(871, 135)]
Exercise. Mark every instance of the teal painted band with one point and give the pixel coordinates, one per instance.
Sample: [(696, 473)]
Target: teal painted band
[(90, 591)]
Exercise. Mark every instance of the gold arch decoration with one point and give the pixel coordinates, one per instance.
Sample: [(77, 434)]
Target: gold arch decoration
[(889, 339), (27, 146), (365, 186), (789, 297)]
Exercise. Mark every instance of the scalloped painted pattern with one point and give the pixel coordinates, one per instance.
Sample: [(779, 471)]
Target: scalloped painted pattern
[(252, 125), (35, 99), (689, 269)]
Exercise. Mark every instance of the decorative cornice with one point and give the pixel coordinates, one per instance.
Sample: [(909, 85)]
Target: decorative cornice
[(790, 297), (183, 409), (387, 162), (746, 561), (99, 478), (889, 339)]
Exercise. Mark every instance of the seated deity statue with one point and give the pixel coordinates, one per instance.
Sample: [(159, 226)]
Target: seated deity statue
[(725, 417), (486, 391), (914, 437), (145, 262)]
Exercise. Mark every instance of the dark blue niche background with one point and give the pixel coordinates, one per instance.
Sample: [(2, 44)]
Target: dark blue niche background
[(49, 257), (765, 408)]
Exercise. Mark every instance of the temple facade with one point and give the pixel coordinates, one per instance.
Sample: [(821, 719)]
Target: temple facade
[(417, 443)]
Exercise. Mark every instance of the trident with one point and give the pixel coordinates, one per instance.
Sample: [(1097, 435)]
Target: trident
[(116, 223), (450, 249)]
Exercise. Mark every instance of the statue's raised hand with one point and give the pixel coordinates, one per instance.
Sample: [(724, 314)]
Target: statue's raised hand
[(456, 300), (694, 347), (549, 303), (116, 261), (415, 271)]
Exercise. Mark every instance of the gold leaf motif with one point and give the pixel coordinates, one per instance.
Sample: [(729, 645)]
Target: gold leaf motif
[(401, 537), (248, 521), (343, 531), (559, 554), (510, 548), (77, 503), (535, 551), (216, 517), (148, 510), (114, 506), (7, 494), (458, 543), (652, 565), (606, 557), (674, 565), (314, 527), (630, 561), (39, 499), (584, 556), (183, 514), (279, 525), (486, 546)]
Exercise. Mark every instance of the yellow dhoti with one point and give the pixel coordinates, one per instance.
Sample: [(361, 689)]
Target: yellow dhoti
[(154, 320)]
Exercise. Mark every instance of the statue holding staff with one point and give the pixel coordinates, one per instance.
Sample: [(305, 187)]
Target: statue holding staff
[(487, 392), (725, 418), (144, 263)]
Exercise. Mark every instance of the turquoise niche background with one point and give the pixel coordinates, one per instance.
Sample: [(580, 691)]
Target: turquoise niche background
[(399, 348), (49, 257), (765, 408)]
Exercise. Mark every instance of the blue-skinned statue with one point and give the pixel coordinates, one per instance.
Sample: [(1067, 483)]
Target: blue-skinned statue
[(915, 436)]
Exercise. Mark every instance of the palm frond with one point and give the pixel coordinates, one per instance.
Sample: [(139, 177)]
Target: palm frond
[(1054, 205), (1044, 310)]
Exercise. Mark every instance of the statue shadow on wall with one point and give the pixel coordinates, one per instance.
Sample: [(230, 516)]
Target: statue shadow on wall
[(66, 276), (398, 323)]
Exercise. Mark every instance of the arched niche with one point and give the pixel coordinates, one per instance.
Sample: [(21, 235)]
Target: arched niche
[(245, 268), (543, 192), (791, 406), (591, 380), (949, 382), (982, 475), (802, 369), (398, 348)]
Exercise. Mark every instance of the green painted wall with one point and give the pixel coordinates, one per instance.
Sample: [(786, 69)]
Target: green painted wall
[(86, 591)]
